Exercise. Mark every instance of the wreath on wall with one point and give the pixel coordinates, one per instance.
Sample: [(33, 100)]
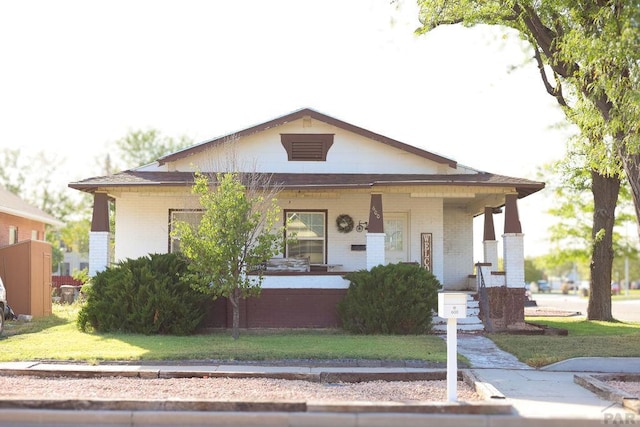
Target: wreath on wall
[(344, 223)]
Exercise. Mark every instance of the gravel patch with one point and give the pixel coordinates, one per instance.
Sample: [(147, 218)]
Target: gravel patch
[(227, 389), (631, 387)]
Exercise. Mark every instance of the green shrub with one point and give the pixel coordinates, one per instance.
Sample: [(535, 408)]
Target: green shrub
[(390, 299), (146, 295)]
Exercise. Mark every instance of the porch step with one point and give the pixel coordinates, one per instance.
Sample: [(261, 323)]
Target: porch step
[(471, 323)]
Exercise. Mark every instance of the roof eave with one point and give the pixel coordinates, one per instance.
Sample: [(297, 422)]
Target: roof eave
[(33, 217)]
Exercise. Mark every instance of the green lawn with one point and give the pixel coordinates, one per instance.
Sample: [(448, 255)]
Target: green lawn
[(57, 338), (585, 339)]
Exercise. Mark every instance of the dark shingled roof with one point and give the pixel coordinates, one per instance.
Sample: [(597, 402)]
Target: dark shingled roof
[(317, 181)]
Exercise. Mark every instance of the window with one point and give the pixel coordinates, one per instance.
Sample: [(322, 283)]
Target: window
[(307, 146), (65, 269), (393, 239), (34, 234), (192, 217), (13, 235), (308, 229)]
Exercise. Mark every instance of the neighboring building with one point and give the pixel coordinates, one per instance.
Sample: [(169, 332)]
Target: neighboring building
[(25, 256), (357, 198), (20, 221), (71, 262)]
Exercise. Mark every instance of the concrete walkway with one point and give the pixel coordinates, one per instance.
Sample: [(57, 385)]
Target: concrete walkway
[(484, 353), (549, 392)]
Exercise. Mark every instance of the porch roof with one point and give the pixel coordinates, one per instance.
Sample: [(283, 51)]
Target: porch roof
[(299, 181)]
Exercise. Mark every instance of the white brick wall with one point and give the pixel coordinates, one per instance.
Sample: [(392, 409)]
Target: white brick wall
[(458, 248), (142, 222), (375, 250), (310, 282), (490, 248), (98, 251), (142, 227), (513, 244)]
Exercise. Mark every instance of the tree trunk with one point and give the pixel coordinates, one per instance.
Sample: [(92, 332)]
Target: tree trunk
[(631, 164), (234, 297), (605, 197)]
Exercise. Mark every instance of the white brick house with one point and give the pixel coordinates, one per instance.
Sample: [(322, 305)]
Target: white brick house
[(412, 205)]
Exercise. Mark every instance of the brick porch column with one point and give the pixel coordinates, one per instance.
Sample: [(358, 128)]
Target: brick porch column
[(375, 233), (99, 235), (513, 244)]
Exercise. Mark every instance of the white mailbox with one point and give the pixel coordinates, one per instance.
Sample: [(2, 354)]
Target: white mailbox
[(452, 305)]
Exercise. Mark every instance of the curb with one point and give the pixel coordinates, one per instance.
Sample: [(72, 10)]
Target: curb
[(473, 408), (484, 389), (319, 376), (597, 385)]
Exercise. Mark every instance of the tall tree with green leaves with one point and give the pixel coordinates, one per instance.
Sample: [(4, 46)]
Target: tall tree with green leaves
[(238, 232), (587, 53), (141, 147)]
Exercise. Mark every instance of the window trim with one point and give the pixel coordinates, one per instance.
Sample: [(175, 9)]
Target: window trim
[(170, 225), (288, 141), (326, 229), (14, 237)]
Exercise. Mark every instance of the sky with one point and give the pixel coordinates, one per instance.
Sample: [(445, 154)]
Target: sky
[(78, 75)]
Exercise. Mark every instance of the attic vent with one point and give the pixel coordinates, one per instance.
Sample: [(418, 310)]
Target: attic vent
[(311, 147)]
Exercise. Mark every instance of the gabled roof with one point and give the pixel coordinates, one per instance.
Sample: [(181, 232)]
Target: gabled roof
[(14, 205), (307, 112), (300, 181)]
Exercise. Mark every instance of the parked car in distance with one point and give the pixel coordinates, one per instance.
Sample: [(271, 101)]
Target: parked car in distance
[(542, 286), (615, 288), (3, 305)]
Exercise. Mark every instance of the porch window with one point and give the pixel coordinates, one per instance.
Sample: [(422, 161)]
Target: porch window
[(193, 217), (309, 231)]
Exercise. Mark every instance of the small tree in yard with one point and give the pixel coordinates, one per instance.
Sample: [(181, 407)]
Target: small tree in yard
[(237, 234)]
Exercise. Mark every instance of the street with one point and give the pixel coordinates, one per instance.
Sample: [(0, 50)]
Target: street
[(623, 310)]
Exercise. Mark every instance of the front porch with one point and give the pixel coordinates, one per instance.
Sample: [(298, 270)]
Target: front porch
[(430, 229)]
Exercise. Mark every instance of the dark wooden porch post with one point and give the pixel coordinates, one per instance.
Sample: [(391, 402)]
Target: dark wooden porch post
[(489, 242), (511, 217), (100, 218)]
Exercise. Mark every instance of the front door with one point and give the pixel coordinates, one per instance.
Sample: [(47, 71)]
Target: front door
[(396, 240)]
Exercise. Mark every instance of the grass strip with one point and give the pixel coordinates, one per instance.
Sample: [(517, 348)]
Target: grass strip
[(56, 337), (586, 339)]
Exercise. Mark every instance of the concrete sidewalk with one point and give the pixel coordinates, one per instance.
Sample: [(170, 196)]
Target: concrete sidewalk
[(549, 392)]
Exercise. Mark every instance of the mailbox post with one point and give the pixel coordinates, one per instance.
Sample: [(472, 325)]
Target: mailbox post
[(452, 306)]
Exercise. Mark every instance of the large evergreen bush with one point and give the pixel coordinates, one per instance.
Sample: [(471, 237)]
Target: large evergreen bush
[(146, 295), (389, 299)]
